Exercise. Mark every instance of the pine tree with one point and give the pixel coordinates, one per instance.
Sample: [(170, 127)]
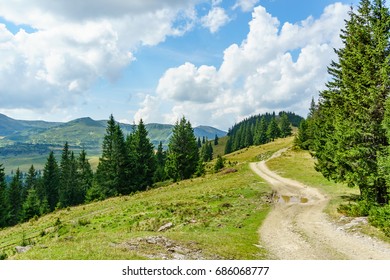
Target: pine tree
[(50, 180), (159, 174), (348, 132), (285, 126), (32, 206), (183, 156), (15, 198), (111, 173), (65, 184), (216, 140), (144, 158), (219, 164), (273, 130), (84, 175), (3, 198)]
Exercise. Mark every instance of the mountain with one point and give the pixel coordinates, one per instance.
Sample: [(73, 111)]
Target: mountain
[(9, 126), (29, 137)]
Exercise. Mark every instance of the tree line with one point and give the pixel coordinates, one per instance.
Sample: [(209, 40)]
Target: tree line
[(261, 129), (348, 130), (128, 164)]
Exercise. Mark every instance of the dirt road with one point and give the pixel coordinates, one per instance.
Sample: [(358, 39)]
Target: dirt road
[(298, 229)]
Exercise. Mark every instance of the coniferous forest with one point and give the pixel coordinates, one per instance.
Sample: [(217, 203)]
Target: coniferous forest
[(261, 129), (128, 164)]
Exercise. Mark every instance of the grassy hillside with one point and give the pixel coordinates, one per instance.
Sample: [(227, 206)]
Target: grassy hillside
[(214, 217)]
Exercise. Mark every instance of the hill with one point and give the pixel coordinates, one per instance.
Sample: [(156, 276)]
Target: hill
[(26, 142), (196, 213)]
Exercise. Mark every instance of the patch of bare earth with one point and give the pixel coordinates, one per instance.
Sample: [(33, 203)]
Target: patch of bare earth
[(298, 229), (160, 247)]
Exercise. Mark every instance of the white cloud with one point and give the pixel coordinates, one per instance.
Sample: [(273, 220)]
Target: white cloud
[(277, 67), (215, 19), (245, 5), (77, 43), (189, 84)]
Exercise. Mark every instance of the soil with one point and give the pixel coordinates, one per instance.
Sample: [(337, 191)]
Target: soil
[(298, 229)]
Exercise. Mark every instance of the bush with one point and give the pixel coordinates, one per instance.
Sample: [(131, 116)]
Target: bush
[(3, 256), (380, 218), (359, 209)]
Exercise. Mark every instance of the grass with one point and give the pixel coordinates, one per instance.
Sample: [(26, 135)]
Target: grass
[(218, 214), (299, 165)]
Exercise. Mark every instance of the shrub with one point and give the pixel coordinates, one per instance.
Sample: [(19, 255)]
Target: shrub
[(359, 209), (380, 218), (3, 256)]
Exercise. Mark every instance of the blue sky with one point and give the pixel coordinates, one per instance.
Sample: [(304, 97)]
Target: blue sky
[(216, 62)]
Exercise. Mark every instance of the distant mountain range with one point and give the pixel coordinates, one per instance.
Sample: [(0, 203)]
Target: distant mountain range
[(26, 137)]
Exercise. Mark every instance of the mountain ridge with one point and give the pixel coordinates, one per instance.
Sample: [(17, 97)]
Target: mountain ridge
[(81, 132)]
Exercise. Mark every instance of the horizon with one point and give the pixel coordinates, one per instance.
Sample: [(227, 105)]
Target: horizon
[(213, 61)]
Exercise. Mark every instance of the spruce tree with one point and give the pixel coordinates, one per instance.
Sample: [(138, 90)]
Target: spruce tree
[(216, 140), (111, 174), (84, 175), (32, 206), (3, 198), (65, 184), (183, 156), (285, 126), (145, 164), (15, 198), (273, 130), (50, 180), (159, 174), (348, 133)]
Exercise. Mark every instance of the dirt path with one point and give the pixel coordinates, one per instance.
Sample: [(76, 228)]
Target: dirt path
[(298, 229)]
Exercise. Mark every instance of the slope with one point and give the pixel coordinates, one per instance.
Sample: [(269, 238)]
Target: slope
[(201, 210)]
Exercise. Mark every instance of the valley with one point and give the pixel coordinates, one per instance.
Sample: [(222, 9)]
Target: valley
[(235, 203)]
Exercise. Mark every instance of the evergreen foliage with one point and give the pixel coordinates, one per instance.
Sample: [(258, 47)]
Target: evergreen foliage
[(161, 156), (349, 139), (3, 198), (143, 153), (31, 206), (84, 175), (254, 130), (219, 164), (51, 180), (15, 198), (111, 173), (182, 156)]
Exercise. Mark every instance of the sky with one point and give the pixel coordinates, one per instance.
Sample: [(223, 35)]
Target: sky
[(213, 61)]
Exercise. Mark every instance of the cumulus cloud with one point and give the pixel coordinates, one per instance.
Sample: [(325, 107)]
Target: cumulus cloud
[(245, 5), (77, 43), (215, 19), (189, 84), (277, 67)]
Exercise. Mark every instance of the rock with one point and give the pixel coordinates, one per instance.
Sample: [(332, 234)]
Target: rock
[(165, 227), (22, 249)]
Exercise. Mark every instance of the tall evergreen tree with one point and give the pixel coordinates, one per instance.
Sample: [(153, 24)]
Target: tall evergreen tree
[(273, 130), (111, 174), (3, 198), (159, 174), (183, 156), (348, 131), (50, 182), (285, 126), (145, 164), (32, 206), (84, 175), (65, 182), (15, 198), (216, 140)]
